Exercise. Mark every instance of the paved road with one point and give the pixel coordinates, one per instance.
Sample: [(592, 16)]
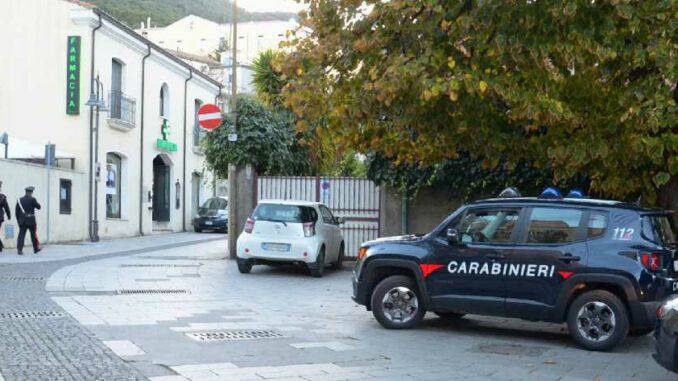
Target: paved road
[(184, 313)]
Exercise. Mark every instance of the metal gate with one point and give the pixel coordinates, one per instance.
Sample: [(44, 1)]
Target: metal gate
[(356, 200)]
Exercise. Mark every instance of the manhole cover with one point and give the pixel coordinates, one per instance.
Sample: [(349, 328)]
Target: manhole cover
[(22, 278), (510, 349), (158, 265), (134, 292), (30, 315), (235, 335)]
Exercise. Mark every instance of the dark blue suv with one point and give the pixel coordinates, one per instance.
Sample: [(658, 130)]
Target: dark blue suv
[(601, 266)]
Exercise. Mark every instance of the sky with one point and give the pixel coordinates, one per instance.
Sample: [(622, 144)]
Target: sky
[(270, 5)]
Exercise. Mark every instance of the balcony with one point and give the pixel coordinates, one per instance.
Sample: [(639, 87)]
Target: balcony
[(122, 112)]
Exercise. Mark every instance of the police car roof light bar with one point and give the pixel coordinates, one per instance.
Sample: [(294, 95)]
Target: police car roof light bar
[(551, 193), (576, 193), (510, 192)]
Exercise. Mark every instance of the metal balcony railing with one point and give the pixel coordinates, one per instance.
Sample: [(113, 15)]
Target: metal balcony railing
[(122, 107)]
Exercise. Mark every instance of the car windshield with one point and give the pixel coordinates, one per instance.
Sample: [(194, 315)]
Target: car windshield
[(285, 213), (657, 228), (215, 203)]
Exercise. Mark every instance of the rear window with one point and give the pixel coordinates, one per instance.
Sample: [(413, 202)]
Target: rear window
[(658, 229), (286, 213), (215, 203)]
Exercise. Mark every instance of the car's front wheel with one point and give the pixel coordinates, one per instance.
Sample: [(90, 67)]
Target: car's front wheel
[(197, 229), (598, 320), (396, 303)]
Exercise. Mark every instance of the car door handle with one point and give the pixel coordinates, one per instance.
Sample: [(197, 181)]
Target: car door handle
[(495, 256), (567, 258)]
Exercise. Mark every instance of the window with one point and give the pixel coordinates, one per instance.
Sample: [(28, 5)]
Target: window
[(198, 133), (597, 224), (113, 189), (328, 218), (164, 101), (116, 89), (284, 213), (657, 229), (494, 226), (65, 196), (553, 225)]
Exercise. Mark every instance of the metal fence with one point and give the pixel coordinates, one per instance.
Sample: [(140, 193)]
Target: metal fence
[(356, 200), (122, 107)]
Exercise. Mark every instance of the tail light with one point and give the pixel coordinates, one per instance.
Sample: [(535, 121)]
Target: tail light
[(309, 229), (249, 225), (651, 261)]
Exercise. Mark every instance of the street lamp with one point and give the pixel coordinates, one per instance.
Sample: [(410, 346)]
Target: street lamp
[(95, 101)]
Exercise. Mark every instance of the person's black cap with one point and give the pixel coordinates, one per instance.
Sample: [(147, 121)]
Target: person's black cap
[(30, 189)]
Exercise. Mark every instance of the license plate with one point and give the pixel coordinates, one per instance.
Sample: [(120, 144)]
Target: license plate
[(276, 247), (675, 286), (208, 222)]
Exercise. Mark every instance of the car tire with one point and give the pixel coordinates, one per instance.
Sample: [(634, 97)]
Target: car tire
[(598, 320), (640, 332), (244, 267), (318, 267), (407, 311), (449, 315), (339, 263), (197, 229)]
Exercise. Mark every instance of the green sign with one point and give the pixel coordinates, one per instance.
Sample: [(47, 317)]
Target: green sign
[(164, 143), (73, 76)]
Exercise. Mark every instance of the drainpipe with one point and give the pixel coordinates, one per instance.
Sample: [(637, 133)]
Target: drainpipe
[(91, 132), (141, 143), (183, 194)]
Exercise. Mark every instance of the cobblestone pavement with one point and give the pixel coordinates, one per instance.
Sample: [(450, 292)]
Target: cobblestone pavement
[(39, 340), (186, 314)]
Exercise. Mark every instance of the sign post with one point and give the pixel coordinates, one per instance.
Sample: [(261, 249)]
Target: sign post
[(73, 76), (209, 116), (50, 158)]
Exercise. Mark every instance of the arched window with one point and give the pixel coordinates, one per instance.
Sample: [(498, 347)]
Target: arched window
[(113, 177), (164, 101)]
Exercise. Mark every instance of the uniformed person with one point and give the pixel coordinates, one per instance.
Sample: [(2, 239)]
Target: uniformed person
[(25, 215), (4, 208)]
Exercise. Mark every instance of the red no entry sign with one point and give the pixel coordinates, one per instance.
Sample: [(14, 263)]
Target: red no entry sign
[(209, 116)]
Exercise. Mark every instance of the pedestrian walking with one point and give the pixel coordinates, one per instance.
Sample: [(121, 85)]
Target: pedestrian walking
[(25, 216), (4, 208)]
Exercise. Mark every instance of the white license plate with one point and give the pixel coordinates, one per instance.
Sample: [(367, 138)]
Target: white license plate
[(208, 222), (276, 247)]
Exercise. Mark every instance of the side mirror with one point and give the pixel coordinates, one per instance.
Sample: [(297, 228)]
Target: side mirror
[(339, 220), (452, 236)]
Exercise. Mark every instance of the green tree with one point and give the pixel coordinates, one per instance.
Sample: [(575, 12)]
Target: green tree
[(266, 140), (578, 87), (267, 80)]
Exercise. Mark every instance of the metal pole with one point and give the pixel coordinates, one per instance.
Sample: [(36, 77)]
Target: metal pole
[(48, 166), (232, 170), (95, 221)]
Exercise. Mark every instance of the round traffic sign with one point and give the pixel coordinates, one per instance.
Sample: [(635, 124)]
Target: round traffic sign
[(209, 116)]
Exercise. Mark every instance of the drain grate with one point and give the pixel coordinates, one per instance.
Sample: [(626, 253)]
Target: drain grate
[(151, 291), (235, 335), (22, 278), (157, 265), (30, 314), (510, 349)]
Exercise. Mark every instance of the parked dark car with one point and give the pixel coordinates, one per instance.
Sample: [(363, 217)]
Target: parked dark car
[(212, 215), (601, 266), (666, 335)]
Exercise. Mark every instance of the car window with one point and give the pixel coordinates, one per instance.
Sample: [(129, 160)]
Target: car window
[(210, 204), (597, 224), (286, 213), (553, 225), (493, 226), (658, 229), (328, 218), (223, 204)]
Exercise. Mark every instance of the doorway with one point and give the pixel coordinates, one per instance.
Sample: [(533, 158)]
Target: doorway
[(161, 190)]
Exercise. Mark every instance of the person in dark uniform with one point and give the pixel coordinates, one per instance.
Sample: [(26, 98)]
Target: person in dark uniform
[(4, 208), (25, 215)]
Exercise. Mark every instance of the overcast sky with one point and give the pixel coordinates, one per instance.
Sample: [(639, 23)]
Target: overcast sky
[(270, 5)]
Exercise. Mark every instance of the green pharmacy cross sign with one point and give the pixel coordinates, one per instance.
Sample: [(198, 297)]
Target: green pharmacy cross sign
[(73, 76), (164, 143)]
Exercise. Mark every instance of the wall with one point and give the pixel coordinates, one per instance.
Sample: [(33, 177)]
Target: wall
[(426, 211), (63, 227)]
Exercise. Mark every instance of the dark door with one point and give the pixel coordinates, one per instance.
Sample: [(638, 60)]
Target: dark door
[(550, 250), (161, 190), (472, 279), (116, 90)]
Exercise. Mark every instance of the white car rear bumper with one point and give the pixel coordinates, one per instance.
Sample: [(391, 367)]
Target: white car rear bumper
[(300, 249)]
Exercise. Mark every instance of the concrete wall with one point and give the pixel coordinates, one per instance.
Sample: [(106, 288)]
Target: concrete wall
[(430, 207), (17, 175)]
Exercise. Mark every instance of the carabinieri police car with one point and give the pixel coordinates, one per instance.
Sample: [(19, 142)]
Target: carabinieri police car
[(601, 266)]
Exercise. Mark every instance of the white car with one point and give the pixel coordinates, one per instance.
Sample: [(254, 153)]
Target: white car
[(298, 232)]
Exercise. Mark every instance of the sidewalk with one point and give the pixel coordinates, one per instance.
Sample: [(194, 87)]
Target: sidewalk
[(61, 252)]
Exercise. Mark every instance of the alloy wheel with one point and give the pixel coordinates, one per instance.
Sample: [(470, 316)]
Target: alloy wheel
[(596, 321), (400, 304)]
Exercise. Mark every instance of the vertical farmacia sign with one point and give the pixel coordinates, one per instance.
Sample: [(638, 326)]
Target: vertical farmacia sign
[(73, 76)]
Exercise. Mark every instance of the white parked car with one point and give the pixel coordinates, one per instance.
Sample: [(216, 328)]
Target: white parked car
[(298, 232)]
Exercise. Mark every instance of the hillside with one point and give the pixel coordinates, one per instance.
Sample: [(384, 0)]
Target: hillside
[(164, 12)]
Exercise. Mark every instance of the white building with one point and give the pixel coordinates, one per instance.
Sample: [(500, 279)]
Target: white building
[(198, 36), (143, 168)]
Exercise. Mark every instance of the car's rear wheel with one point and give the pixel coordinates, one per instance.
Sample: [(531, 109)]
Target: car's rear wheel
[(244, 267), (449, 315), (598, 320), (340, 258), (396, 303), (318, 268)]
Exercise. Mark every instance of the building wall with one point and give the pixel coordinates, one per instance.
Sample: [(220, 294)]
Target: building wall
[(426, 211), (33, 108), (17, 175)]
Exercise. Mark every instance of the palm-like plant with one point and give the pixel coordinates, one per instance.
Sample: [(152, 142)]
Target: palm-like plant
[(267, 80)]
